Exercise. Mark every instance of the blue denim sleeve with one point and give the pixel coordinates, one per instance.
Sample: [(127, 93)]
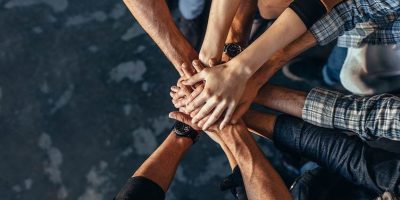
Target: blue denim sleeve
[(372, 168)]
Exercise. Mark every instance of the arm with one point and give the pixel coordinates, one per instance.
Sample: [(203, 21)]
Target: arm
[(220, 19), (346, 15), (158, 170), (253, 85), (282, 99), (362, 165), (260, 179), (370, 117), (156, 20), (240, 29)]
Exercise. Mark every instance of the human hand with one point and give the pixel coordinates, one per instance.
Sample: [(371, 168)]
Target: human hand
[(224, 86), (184, 118), (249, 94)]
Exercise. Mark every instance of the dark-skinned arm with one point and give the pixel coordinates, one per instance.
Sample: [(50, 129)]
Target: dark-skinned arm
[(157, 171), (155, 18)]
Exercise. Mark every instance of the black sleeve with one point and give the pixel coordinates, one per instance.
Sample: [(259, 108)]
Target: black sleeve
[(372, 168), (138, 188), (310, 11)]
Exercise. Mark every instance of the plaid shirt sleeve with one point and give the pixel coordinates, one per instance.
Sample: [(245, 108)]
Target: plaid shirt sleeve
[(346, 15), (369, 117)]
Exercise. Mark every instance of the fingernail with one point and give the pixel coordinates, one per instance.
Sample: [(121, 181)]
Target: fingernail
[(170, 115)]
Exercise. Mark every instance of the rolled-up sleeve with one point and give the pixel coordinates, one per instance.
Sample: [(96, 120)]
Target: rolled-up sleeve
[(370, 117), (319, 107), (346, 15)]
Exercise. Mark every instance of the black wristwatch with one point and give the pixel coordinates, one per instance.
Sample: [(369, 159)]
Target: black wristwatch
[(184, 130), (232, 49)]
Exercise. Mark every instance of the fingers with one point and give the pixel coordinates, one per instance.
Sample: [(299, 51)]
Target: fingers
[(198, 101), (179, 116), (228, 115), (194, 94), (188, 70), (198, 65), (215, 115), (194, 112), (207, 108), (239, 112), (202, 122), (194, 79)]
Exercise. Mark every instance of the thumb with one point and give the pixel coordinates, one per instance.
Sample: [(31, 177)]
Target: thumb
[(194, 79), (184, 118)]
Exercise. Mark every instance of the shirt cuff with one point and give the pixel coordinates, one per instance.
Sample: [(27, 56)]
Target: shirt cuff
[(319, 108)]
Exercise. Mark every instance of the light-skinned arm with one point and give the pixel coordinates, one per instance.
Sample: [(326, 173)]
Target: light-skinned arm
[(220, 19), (225, 83), (252, 86)]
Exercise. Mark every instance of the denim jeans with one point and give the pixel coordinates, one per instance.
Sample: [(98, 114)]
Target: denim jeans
[(191, 9), (332, 68), (373, 169)]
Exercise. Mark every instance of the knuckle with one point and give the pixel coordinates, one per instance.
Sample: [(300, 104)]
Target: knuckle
[(207, 92)]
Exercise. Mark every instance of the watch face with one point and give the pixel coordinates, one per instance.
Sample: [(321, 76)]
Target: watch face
[(233, 50), (181, 128)]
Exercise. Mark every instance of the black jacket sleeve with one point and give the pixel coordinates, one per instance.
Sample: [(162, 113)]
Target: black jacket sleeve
[(138, 188), (310, 11), (372, 168)]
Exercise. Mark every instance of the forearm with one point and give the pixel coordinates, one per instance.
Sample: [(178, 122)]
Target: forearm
[(156, 20), (260, 123), (220, 19), (282, 57), (161, 166), (240, 29), (282, 99), (229, 156), (287, 28), (260, 178)]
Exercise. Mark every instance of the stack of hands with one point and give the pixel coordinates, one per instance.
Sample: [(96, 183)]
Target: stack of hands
[(214, 95)]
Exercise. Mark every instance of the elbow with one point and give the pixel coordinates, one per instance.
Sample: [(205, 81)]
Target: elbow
[(273, 8)]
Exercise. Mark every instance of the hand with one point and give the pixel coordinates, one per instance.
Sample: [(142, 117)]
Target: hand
[(250, 93), (180, 91), (222, 91), (184, 118)]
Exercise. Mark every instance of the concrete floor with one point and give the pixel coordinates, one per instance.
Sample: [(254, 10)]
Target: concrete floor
[(84, 97)]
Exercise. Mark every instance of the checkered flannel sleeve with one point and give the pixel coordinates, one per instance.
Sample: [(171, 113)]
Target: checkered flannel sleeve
[(358, 22), (369, 117)]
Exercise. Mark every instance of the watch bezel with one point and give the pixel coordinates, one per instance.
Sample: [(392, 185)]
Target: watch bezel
[(232, 52)]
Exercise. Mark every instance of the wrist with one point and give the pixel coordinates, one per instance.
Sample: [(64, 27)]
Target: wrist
[(239, 69), (181, 142), (235, 138)]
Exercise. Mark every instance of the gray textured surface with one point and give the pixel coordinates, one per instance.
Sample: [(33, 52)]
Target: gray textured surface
[(83, 101)]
